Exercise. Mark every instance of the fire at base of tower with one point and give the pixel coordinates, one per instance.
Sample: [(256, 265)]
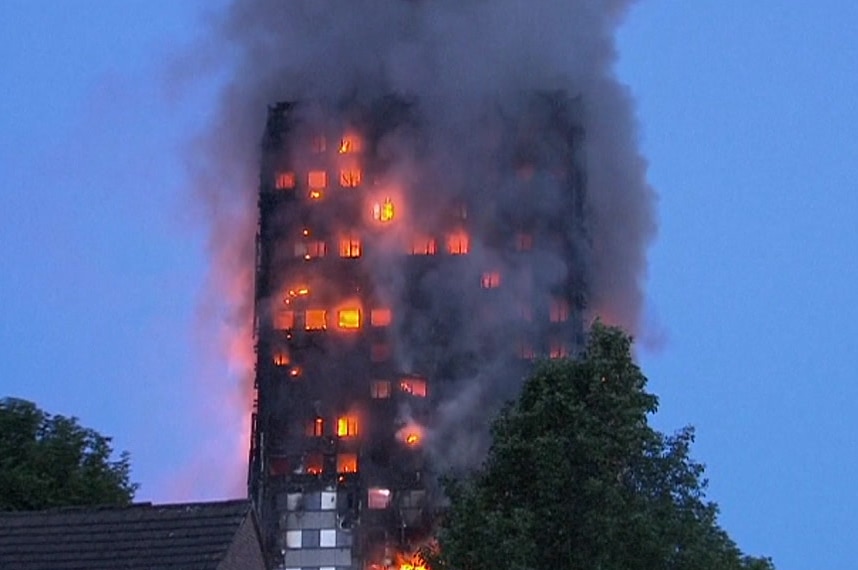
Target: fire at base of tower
[(403, 289)]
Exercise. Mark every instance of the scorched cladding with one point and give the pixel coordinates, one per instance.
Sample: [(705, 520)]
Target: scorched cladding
[(390, 280)]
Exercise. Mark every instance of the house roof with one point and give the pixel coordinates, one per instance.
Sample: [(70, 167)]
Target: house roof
[(193, 536)]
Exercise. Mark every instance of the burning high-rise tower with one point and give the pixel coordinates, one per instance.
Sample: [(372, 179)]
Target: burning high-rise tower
[(453, 190), (386, 291)]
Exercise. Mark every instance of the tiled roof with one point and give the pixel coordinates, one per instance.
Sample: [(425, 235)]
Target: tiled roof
[(191, 536)]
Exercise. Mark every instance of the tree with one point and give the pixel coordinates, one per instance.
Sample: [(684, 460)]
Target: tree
[(577, 479), (51, 461)]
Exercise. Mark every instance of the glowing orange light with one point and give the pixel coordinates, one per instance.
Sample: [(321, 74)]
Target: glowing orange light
[(414, 386), (281, 358), (380, 317), (423, 245), (347, 426), (315, 194), (349, 144), (412, 439), (315, 319), (317, 179), (458, 243), (284, 180), (383, 211), (350, 177), (295, 371), (347, 463), (284, 320), (348, 318), (350, 246)]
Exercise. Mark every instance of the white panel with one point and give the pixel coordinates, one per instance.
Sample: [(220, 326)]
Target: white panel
[(293, 538), (293, 501), (328, 568), (329, 500), (327, 538)]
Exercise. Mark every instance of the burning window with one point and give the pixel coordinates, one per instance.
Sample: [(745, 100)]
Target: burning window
[(284, 320), (284, 180), (380, 317), (559, 310), (350, 246), (558, 349), (319, 144), (315, 428), (317, 180), (422, 245), (315, 319), (523, 241), (414, 386), (281, 358), (347, 426), (313, 463), (457, 243), (350, 144), (379, 352), (350, 177), (383, 211), (311, 249), (490, 280), (348, 318), (380, 389), (378, 498), (347, 463)]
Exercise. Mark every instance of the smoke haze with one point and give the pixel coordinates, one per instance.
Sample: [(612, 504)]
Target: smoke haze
[(459, 59)]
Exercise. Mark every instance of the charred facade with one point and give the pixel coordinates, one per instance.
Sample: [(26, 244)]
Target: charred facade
[(387, 286)]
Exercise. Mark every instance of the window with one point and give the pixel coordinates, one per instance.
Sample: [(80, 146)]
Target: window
[(347, 463), (378, 498), (383, 211), (457, 243), (559, 310), (348, 318), (293, 538), (380, 389), (315, 428), (525, 312), (314, 320), (313, 463), (525, 351), (558, 349), (490, 280), (284, 180), (380, 317), (311, 249), (284, 320), (523, 242), (349, 144), (317, 179), (379, 352), (327, 538), (422, 245), (350, 177), (281, 357), (347, 426), (350, 246), (414, 386), (319, 144)]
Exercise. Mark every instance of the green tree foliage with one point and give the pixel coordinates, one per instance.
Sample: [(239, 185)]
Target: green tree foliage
[(51, 461), (576, 479)]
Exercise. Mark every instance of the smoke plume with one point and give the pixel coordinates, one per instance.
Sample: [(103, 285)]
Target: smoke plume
[(464, 62)]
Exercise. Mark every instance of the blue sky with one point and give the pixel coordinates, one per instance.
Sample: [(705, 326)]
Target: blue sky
[(747, 114)]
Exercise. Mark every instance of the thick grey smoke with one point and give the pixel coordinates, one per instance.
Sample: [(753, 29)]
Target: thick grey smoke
[(458, 58)]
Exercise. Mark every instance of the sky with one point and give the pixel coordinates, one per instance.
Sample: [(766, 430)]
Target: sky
[(746, 113)]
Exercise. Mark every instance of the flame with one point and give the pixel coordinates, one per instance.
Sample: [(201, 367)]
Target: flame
[(383, 211), (349, 144), (411, 435)]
